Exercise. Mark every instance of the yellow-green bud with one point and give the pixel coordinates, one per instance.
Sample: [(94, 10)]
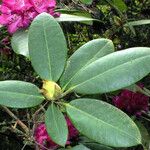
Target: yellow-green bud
[(51, 90)]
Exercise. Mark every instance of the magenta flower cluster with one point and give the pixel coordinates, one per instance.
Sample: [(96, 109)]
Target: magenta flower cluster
[(17, 14), (133, 103), (45, 142)]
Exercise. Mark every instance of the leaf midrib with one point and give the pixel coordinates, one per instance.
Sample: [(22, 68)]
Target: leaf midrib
[(23, 94), (106, 72), (99, 120), (47, 49)]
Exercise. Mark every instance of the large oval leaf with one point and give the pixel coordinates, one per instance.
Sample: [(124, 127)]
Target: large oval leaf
[(47, 47), (112, 72), (19, 94), (85, 55), (56, 125), (103, 123), (19, 42)]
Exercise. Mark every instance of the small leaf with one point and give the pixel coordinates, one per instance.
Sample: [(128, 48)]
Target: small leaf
[(138, 23), (19, 42), (74, 15), (103, 123), (47, 47), (112, 72), (74, 18), (56, 125), (18, 94), (145, 135), (120, 5), (84, 56), (88, 2)]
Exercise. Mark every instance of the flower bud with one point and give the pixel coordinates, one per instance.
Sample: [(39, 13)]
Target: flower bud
[(51, 90)]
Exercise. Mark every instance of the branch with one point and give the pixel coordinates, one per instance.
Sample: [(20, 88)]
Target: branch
[(19, 122)]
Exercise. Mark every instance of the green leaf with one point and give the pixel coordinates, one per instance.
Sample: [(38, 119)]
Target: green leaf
[(79, 147), (92, 145), (19, 42), (112, 72), (74, 18), (18, 94), (145, 135), (84, 56), (103, 123), (88, 2), (47, 47), (96, 146), (56, 125), (138, 23), (120, 5), (72, 11)]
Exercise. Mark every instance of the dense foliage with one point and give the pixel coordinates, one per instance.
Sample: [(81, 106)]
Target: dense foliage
[(70, 70)]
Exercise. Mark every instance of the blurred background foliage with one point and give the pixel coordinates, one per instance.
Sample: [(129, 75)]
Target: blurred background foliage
[(112, 16)]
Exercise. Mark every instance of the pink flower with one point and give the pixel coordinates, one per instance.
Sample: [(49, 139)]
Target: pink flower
[(73, 132), (42, 138), (132, 102), (17, 14), (42, 5)]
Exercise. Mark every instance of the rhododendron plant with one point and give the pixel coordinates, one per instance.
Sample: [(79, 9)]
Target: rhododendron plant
[(17, 14), (93, 69)]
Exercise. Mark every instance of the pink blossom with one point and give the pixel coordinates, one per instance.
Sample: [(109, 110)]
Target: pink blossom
[(17, 14), (42, 138), (42, 5), (73, 132), (132, 102)]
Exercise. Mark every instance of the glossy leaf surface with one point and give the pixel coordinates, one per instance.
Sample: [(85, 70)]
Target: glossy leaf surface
[(75, 18), (87, 1), (84, 56), (103, 123), (56, 125), (112, 72), (47, 47), (18, 94), (19, 42)]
